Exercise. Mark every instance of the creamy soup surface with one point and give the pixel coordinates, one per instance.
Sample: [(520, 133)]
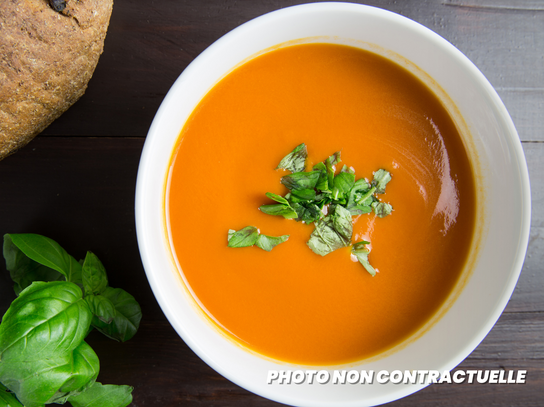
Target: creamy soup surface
[(290, 303)]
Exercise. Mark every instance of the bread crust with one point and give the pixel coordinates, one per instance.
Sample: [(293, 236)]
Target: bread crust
[(46, 60)]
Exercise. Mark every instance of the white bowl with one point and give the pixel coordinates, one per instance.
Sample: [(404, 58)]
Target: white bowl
[(494, 148)]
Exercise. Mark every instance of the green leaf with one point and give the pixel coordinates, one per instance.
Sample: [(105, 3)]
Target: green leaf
[(101, 307), (381, 178), (332, 232), (301, 180), (93, 275), (283, 208), (51, 379), (269, 242), (323, 180), (7, 399), (302, 195), (382, 209), (330, 163), (46, 319), (361, 252), (244, 237), (49, 253), (100, 395), (360, 210), (85, 368), (295, 161), (308, 212), (278, 210), (343, 183), (127, 316), (23, 271)]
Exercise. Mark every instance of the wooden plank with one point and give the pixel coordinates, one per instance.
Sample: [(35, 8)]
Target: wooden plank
[(147, 47)]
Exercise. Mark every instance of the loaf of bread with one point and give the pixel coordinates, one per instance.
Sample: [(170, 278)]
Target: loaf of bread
[(48, 52)]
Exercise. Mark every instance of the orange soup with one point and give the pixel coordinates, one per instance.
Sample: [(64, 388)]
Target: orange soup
[(291, 304)]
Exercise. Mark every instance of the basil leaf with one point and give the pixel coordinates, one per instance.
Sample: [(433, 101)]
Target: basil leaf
[(7, 399), (84, 371), (127, 315), (49, 253), (308, 212), (382, 209), (101, 307), (278, 210), (329, 165), (343, 224), (333, 159), (269, 242), (359, 210), (277, 198), (302, 195), (323, 180), (301, 180), (332, 232), (343, 183), (23, 271), (52, 379), (244, 237), (381, 178), (36, 382), (350, 170), (282, 209), (361, 252), (100, 395), (46, 319), (295, 161), (93, 275)]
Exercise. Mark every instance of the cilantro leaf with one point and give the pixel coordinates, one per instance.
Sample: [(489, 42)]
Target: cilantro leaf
[(295, 161), (361, 252)]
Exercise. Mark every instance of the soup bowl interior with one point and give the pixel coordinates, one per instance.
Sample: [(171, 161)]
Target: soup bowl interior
[(494, 149)]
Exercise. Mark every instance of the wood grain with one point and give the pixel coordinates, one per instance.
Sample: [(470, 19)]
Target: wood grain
[(76, 183)]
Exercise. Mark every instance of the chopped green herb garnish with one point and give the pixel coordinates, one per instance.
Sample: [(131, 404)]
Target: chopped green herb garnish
[(295, 161), (323, 197), (332, 232), (361, 252), (250, 236)]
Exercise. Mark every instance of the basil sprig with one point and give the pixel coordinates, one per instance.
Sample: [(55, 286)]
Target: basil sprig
[(43, 356)]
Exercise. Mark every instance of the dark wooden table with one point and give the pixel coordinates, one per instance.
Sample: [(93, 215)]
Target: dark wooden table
[(75, 183)]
